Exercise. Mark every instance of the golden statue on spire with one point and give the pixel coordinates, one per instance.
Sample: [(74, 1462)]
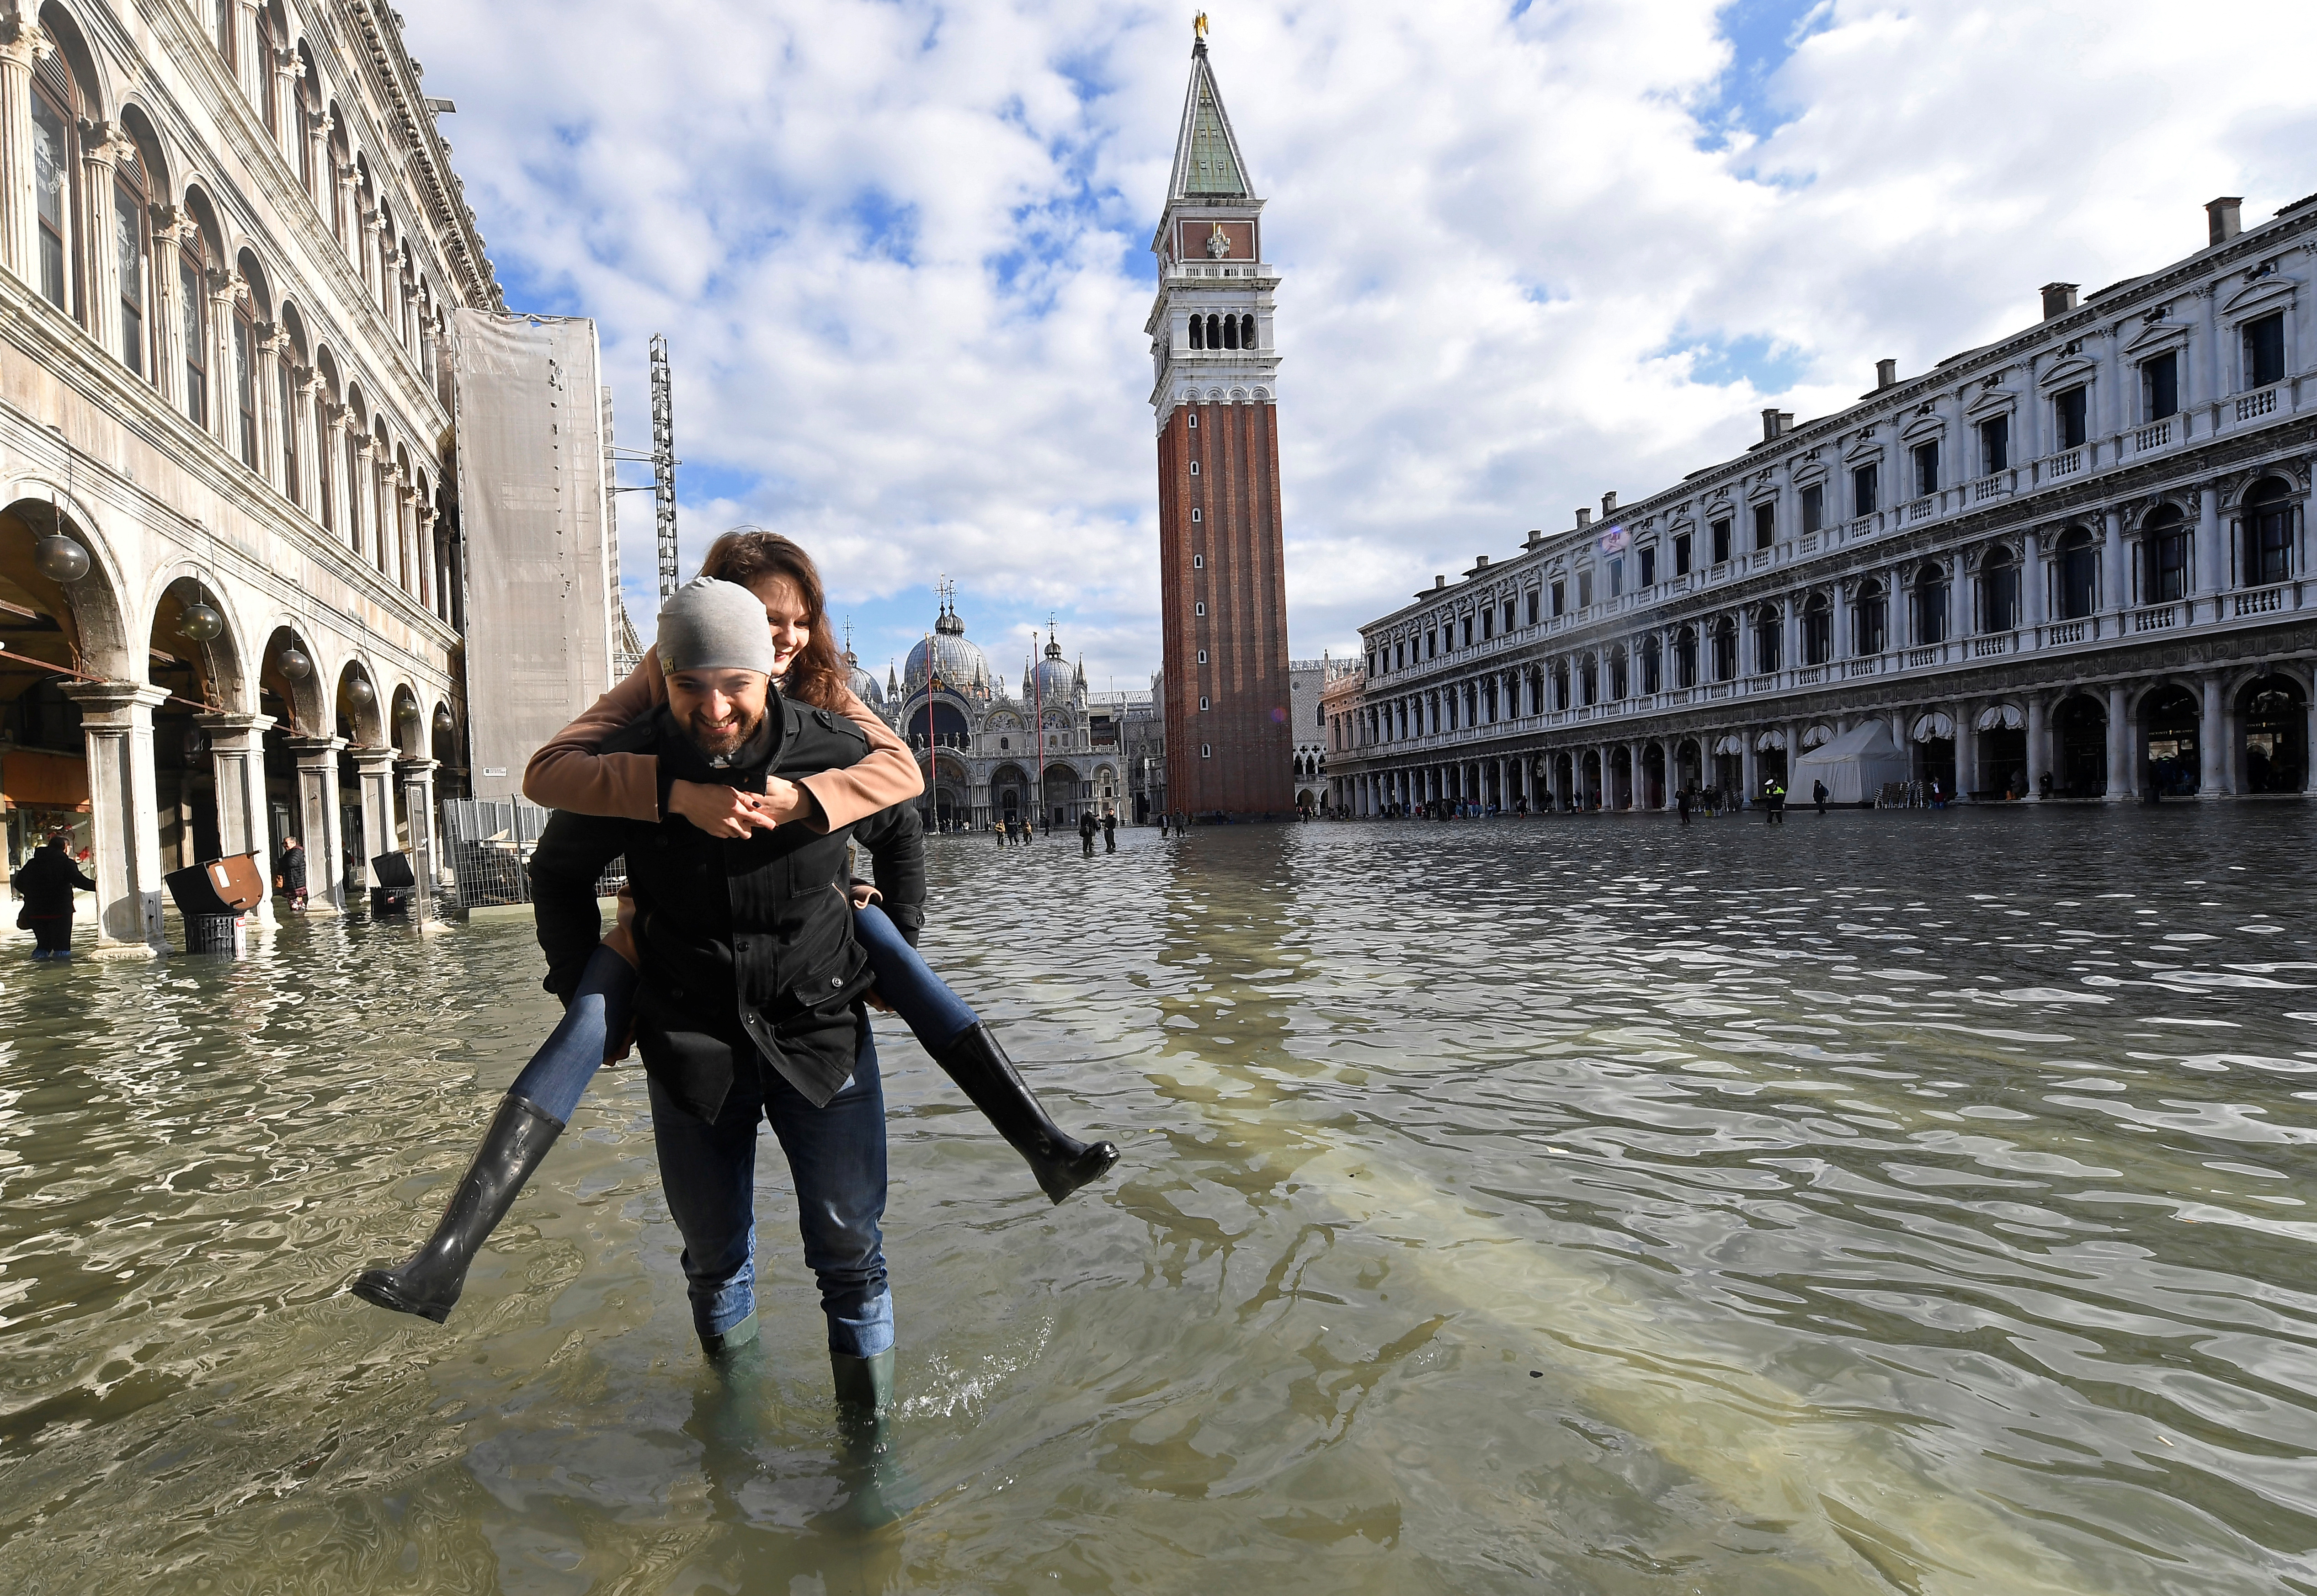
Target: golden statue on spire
[(1199, 25)]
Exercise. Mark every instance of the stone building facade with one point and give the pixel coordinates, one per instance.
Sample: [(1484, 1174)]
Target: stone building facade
[(2072, 563), (1307, 718), (229, 236), (1045, 756)]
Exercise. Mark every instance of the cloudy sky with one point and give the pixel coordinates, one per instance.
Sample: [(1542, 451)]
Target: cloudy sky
[(1531, 250)]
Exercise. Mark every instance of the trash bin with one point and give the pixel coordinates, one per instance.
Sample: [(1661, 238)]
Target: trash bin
[(397, 883), (215, 898)]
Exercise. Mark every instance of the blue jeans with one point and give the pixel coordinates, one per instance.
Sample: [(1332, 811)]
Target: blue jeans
[(836, 1157), (558, 1075)]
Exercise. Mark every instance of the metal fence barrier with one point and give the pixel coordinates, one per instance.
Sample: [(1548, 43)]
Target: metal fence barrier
[(487, 847)]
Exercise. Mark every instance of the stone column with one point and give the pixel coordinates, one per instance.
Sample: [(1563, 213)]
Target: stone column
[(225, 378), (430, 564), (374, 777), (373, 257), (117, 720), (2115, 566), (102, 146), (171, 228), (249, 64), (1966, 748), (317, 803), (2039, 751), (348, 506), (265, 389), (362, 499), (2212, 741), (2309, 745), (417, 777), (302, 383), (350, 205), (1958, 601), (237, 760), (26, 43), (2033, 584), (2120, 782), (397, 504), (286, 90), (2211, 562)]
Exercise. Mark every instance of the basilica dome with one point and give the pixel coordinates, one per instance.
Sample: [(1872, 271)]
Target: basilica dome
[(1053, 680), (863, 685), (958, 666)]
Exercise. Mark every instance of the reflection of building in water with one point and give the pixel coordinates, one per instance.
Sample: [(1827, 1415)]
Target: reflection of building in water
[(229, 575), (992, 756), (2074, 563)]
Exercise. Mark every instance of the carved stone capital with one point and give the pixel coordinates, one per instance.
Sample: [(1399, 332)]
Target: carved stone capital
[(23, 42), (173, 224), (103, 142)]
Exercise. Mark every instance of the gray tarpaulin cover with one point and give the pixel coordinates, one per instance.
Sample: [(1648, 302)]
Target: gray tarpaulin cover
[(1854, 766), (542, 583)]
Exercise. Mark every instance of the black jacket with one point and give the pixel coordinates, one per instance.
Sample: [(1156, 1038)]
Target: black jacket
[(746, 945), (291, 868), (47, 884)]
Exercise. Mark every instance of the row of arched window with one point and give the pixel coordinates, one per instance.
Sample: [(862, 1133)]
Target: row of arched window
[(151, 280), (2266, 551), (1222, 332), (1754, 642)]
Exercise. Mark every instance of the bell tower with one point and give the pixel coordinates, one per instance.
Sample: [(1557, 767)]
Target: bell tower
[(1230, 747)]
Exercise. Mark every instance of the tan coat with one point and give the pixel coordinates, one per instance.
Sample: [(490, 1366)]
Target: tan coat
[(568, 773)]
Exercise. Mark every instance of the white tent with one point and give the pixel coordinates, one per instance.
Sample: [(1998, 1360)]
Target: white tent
[(1854, 766)]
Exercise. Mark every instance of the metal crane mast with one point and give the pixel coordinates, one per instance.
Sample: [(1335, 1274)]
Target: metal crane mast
[(663, 464)]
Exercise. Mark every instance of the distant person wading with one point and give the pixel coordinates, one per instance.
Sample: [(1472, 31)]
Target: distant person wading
[(47, 884)]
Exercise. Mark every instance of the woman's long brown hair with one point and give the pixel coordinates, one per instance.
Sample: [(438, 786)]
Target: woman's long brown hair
[(747, 555)]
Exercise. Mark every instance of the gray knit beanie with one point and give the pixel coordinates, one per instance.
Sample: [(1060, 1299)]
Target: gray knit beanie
[(707, 625)]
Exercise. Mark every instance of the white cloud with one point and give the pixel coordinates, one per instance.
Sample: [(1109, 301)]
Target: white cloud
[(899, 249)]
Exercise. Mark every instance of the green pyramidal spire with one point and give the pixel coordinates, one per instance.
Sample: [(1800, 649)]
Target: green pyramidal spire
[(1207, 161)]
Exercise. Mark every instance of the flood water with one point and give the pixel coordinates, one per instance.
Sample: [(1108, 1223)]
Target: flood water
[(1910, 1201)]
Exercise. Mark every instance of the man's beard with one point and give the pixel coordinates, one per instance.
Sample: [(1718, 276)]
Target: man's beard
[(721, 743)]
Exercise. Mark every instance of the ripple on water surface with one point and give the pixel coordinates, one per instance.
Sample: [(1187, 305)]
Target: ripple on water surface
[(1891, 1201)]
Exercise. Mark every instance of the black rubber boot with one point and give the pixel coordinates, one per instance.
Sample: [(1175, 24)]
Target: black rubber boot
[(429, 1284), (1061, 1163)]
